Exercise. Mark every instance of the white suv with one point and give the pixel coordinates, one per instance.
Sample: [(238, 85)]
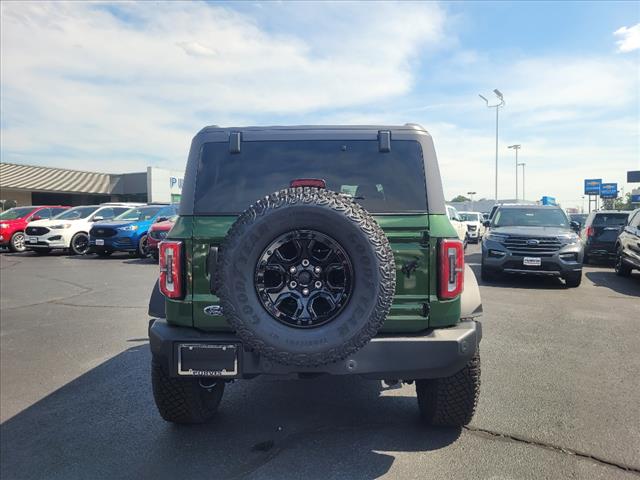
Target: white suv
[(70, 229), (475, 225), (458, 224)]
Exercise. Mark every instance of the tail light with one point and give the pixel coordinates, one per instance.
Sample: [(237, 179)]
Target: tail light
[(589, 231), (170, 254), (450, 268), (308, 182)]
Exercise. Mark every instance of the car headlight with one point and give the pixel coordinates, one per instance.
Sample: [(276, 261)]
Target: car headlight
[(496, 237), (568, 239), (129, 228), (60, 226), (4, 225)]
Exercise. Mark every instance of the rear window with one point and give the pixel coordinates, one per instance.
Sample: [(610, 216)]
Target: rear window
[(381, 182), (610, 219)]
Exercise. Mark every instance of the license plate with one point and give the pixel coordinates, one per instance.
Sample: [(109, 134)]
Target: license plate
[(99, 241), (532, 261), (207, 360), (33, 239)]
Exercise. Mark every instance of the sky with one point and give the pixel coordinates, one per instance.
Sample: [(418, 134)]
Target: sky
[(115, 87)]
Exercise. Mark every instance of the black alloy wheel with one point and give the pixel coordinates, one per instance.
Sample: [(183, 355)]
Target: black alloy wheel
[(304, 278), (80, 244)]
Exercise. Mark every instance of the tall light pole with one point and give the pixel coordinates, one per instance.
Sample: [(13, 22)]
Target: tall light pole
[(471, 194), (497, 106), (516, 148), (522, 164)]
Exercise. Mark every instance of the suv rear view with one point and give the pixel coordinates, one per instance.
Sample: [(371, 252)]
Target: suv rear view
[(601, 230), (308, 251)]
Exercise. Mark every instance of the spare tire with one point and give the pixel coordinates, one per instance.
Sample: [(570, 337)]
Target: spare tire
[(306, 276)]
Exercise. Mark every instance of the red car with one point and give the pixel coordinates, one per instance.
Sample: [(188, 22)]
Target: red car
[(157, 233), (14, 220)]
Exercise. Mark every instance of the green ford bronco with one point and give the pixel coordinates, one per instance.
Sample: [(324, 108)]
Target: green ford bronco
[(306, 251)]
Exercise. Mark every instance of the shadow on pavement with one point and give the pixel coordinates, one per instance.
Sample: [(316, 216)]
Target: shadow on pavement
[(104, 425), (623, 285)]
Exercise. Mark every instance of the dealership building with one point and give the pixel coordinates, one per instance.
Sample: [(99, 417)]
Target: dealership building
[(35, 185)]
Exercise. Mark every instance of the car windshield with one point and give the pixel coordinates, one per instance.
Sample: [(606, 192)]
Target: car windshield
[(140, 213), (610, 219), (578, 217), (530, 217), (76, 213), (14, 213), (382, 182), (469, 217)]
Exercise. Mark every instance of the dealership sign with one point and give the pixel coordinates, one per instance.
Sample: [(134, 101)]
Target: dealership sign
[(175, 183), (609, 190), (592, 186)]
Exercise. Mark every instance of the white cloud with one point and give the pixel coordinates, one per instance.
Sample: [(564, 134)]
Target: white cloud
[(77, 78), (629, 38)]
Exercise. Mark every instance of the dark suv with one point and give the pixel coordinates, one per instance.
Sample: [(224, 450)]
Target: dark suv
[(313, 251), (600, 232), (532, 240), (628, 246)]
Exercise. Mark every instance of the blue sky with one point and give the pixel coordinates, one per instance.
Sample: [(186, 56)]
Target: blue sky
[(117, 87)]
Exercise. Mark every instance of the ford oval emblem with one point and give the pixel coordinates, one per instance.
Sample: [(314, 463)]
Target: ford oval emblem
[(213, 310), (533, 241)]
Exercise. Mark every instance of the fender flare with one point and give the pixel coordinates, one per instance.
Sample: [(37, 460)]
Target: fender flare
[(470, 300), (156, 303)]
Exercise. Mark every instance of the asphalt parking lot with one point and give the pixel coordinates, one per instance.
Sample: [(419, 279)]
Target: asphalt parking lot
[(560, 390)]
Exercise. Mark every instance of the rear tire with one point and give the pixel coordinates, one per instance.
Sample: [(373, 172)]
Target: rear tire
[(143, 247), (621, 268), (183, 400), (16, 244), (450, 401), (573, 279), (79, 243)]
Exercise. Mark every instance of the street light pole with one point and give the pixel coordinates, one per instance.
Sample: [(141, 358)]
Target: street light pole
[(524, 196), (516, 148), (471, 194), (497, 106)]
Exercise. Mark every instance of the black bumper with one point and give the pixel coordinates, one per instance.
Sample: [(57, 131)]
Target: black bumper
[(432, 354)]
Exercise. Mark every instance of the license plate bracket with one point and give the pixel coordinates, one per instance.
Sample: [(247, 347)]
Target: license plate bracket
[(532, 261), (208, 360)]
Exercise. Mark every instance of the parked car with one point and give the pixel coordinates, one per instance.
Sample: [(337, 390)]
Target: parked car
[(475, 225), (532, 240), (14, 221), (459, 226), (70, 229), (259, 278), (600, 233), (157, 233), (628, 246), (128, 231)]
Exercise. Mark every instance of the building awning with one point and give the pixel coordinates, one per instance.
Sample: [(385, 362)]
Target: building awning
[(28, 177)]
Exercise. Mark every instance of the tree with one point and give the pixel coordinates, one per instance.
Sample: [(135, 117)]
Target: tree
[(460, 198), (623, 203)]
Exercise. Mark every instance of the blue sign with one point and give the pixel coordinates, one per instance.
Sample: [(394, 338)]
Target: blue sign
[(635, 198), (548, 200), (592, 186), (609, 190)]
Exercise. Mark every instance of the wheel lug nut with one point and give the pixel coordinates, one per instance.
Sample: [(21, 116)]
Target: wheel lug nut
[(293, 284), (317, 270), (318, 284), (305, 263), (305, 291), (292, 270)]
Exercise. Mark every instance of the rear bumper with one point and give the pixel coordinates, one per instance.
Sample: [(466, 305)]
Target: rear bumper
[(433, 354)]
